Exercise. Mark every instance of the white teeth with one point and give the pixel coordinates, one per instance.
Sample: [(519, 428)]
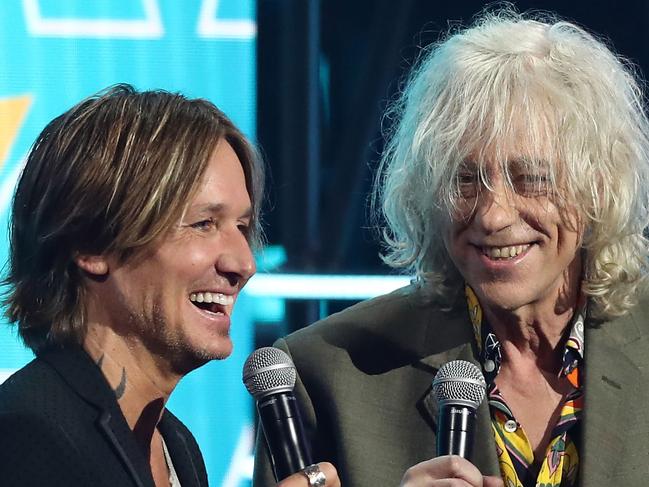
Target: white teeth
[(208, 297), (504, 252)]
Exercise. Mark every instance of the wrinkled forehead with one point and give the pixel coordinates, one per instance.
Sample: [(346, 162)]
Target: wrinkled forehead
[(512, 141)]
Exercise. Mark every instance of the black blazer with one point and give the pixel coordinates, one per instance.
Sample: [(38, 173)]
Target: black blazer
[(60, 425)]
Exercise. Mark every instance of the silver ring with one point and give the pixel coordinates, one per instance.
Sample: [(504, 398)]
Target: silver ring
[(315, 476)]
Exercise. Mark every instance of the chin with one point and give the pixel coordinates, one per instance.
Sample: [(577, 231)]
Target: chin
[(196, 360), (219, 351), (194, 356), (506, 298)]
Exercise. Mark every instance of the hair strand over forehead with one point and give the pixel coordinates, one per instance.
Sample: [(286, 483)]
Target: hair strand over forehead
[(560, 100)]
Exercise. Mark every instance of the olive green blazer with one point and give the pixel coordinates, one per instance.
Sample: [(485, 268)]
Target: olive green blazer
[(364, 385)]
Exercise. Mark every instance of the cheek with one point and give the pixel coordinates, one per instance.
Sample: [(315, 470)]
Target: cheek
[(568, 229), (569, 241), (452, 231), (543, 220), (462, 214), (183, 259), (452, 238), (196, 260), (448, 237)]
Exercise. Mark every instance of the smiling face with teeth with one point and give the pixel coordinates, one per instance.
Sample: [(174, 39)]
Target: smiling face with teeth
[(511, 242), (175, 300)]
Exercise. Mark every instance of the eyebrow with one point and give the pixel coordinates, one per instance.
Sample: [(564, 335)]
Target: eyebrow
[(516, 161), (215, 209)]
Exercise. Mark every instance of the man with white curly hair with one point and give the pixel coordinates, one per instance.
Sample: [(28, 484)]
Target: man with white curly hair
[(515, 186)]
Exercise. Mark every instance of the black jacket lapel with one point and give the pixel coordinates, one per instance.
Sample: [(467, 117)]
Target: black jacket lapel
[(126, 450), (77, 369), (183, 452)]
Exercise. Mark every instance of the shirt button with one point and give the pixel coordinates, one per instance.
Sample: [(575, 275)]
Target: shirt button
[(510, 426), (489, 365)]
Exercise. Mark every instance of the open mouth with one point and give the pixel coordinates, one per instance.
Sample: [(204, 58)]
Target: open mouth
[(212, 302), (505, 253)]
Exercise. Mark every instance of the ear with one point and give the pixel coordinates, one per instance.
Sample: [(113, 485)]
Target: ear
[(97, 265)]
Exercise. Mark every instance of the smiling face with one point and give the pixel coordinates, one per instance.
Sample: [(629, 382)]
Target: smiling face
[(512, 244), (176, 299)]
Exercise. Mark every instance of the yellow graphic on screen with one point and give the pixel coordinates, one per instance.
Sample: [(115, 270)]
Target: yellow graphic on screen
[(13, 111)]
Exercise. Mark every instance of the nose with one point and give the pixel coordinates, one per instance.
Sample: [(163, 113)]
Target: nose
[(495, 209), (236, 261)]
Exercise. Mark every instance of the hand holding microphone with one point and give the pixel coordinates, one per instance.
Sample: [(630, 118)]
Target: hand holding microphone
[(459, 388), (269, 375), (448, 470)]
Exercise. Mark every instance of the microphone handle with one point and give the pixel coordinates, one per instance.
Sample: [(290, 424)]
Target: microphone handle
[(455, 430), (280, 419)]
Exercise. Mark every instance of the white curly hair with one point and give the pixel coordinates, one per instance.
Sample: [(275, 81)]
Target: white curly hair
[(525, 79)]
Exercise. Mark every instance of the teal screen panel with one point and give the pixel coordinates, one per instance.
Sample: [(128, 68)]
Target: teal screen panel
[(53, 53)]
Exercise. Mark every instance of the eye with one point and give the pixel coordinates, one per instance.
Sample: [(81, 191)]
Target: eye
[(244, 228), (467, 184), (206, 224), (532, 184), (466, 178)]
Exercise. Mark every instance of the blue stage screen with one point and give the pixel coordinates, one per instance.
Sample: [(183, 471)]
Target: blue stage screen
[(53, 53)]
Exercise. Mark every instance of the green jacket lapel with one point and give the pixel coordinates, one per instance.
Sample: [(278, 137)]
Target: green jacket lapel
[(458, 330)]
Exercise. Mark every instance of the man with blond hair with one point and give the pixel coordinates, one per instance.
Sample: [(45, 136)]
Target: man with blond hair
[(131, 236)]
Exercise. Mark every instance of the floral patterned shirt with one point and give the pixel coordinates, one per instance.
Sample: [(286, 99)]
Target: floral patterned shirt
[(560, 466)]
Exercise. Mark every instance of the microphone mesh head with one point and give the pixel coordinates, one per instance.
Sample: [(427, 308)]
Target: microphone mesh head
[(268, 370), (459, 382)]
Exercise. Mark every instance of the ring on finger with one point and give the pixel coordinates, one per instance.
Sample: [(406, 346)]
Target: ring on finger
[(315, 476)]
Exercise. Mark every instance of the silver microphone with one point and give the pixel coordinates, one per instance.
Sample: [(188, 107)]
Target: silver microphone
[(268, 370), (269, 375), (459, 388)]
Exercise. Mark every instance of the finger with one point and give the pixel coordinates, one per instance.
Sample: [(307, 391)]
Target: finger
[(449, 483), (300, 480), (427, 482), (490, 481), (330, 472), (444, 467)]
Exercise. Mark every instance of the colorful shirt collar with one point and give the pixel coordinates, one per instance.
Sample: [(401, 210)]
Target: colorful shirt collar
[(560, 465), (489, 345)]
